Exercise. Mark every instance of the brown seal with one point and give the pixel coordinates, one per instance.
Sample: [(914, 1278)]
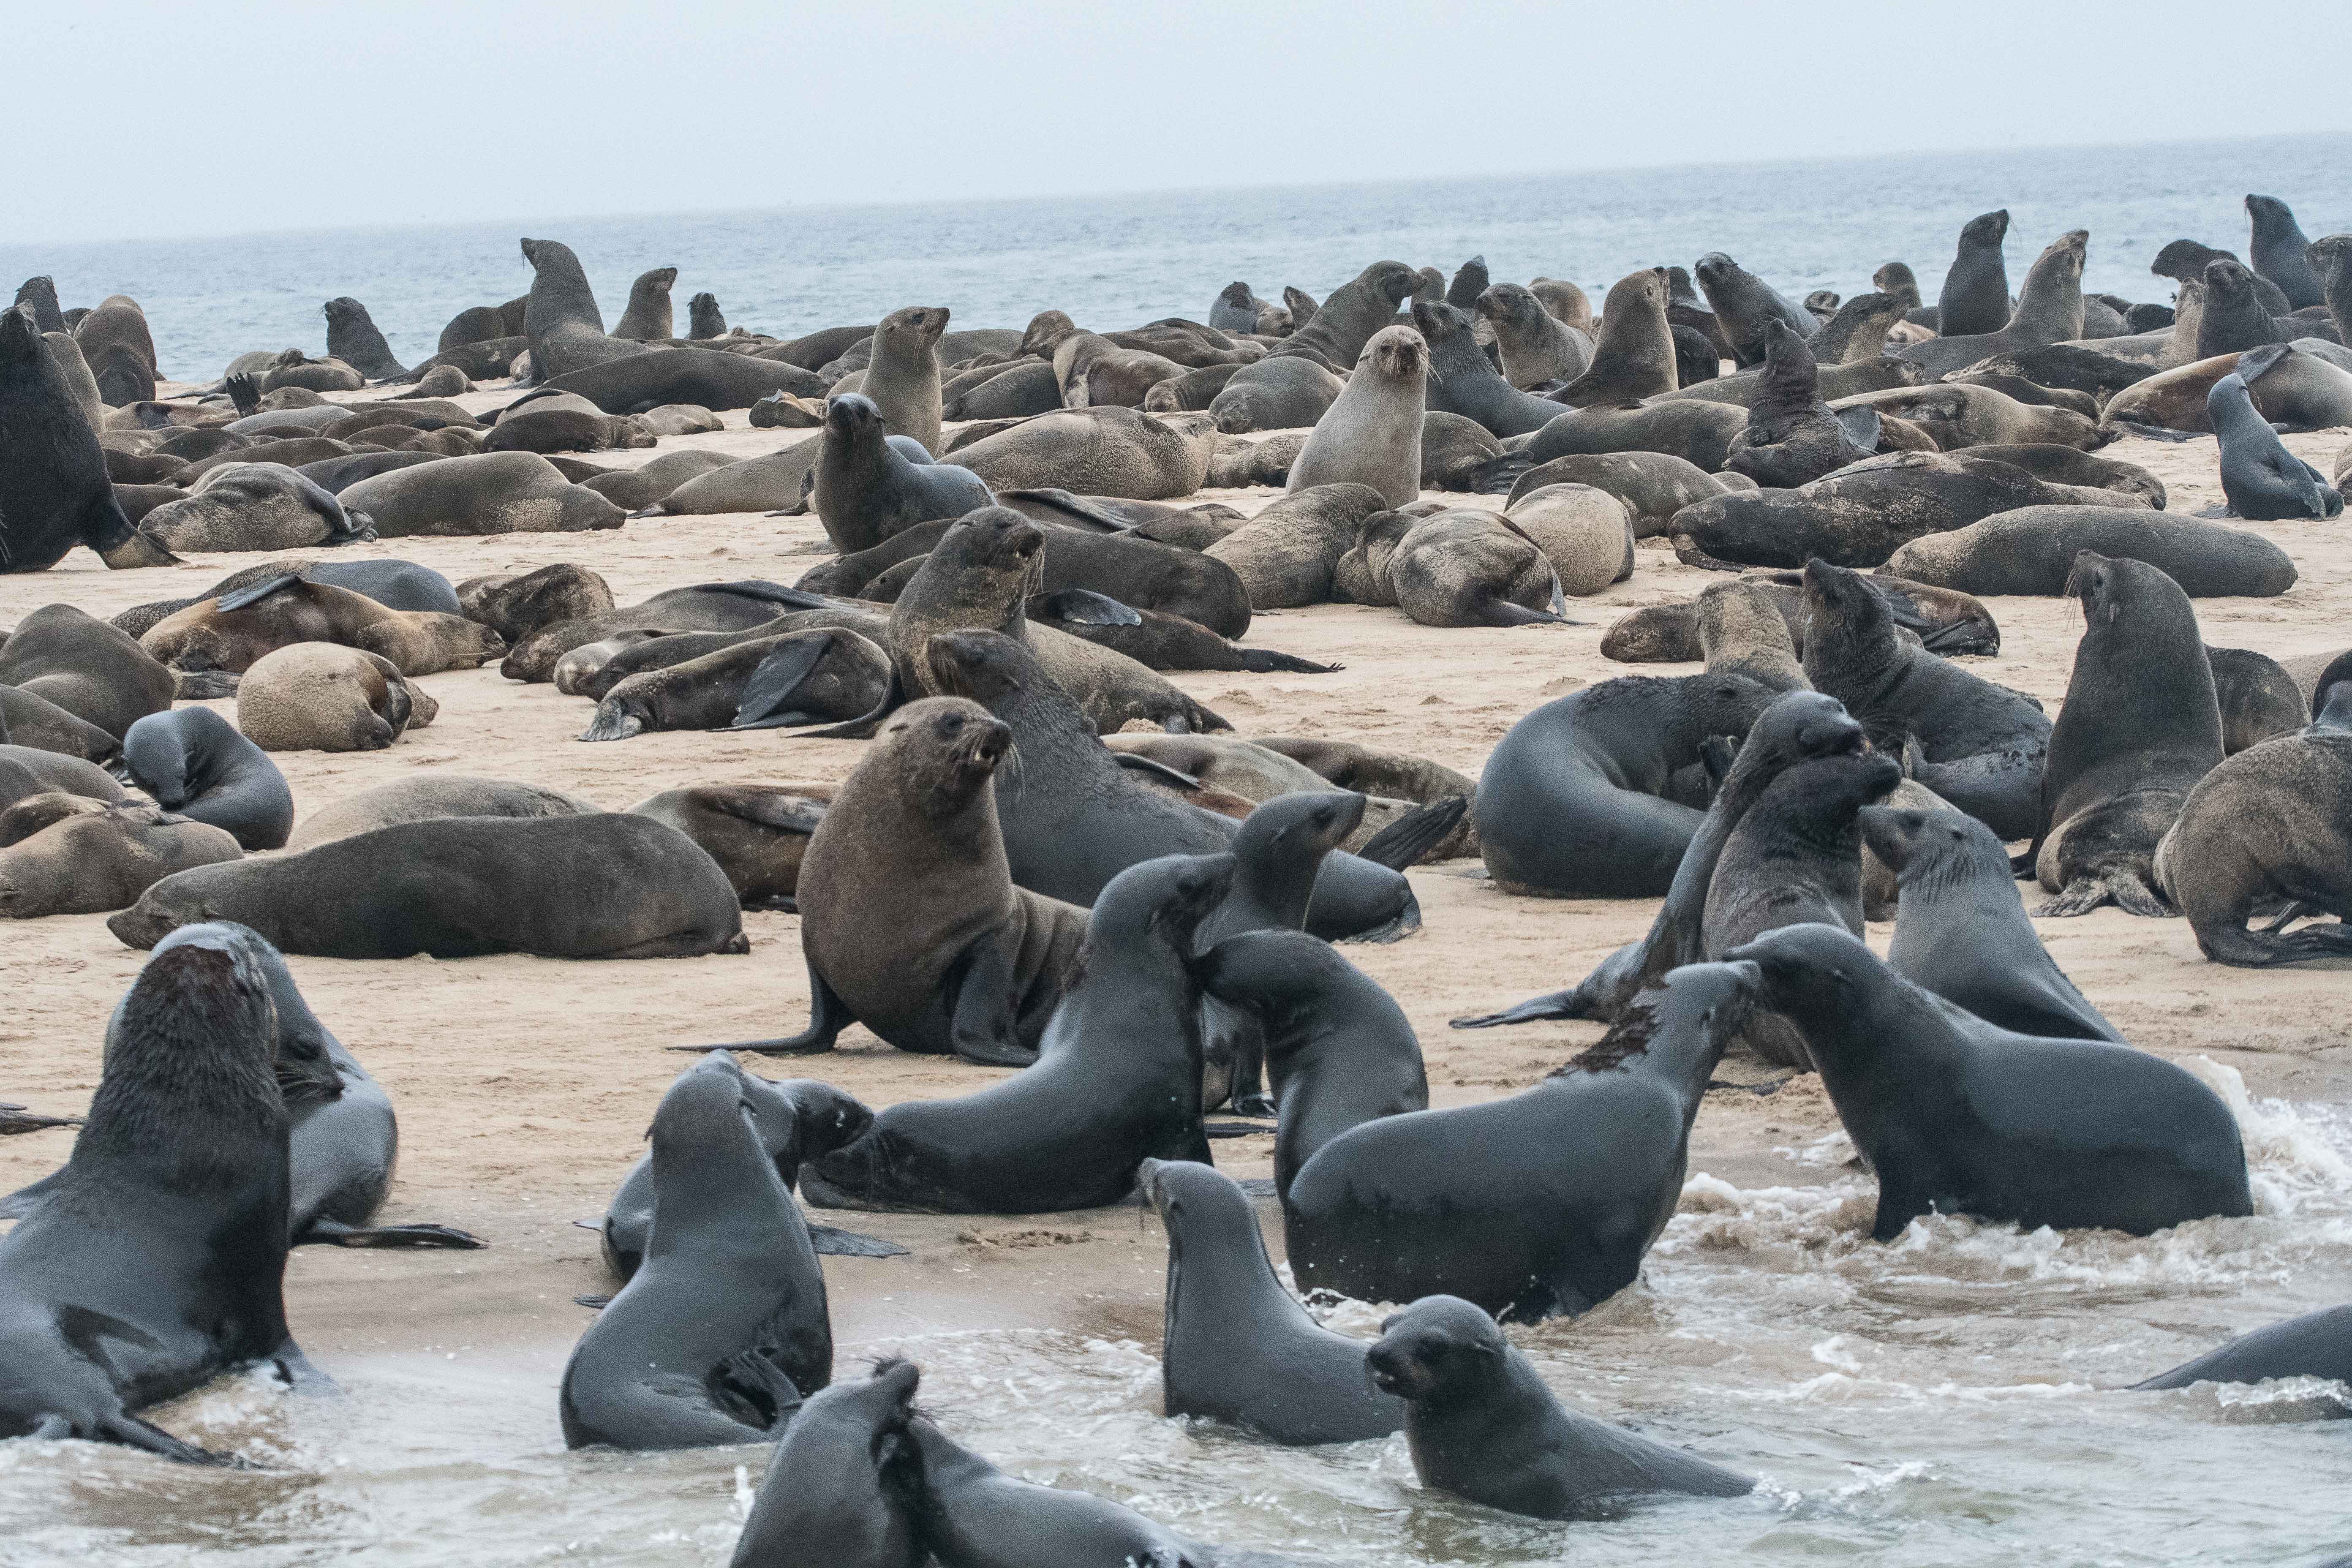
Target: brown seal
[(1635, 356), (95, 856), (759, 834), (318, 696), (232, 633)]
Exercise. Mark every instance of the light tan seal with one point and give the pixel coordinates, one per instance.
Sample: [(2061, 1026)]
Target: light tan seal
[(903, 375), (1371, 433), (318, 696), (232, 633)]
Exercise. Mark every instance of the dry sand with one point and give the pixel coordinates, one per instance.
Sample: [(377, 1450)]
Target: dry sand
[(525, 1085)]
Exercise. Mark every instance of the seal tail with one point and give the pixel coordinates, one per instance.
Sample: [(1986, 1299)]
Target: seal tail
[(1403, 843)]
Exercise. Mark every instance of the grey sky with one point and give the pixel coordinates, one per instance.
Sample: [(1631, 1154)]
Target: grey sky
[(145, 121)]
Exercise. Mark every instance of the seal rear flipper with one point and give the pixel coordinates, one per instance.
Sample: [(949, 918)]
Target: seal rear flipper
[(834, 1242), (828, 1015), (1558, 1005), (1135, 762), (203, 685), (981, 1029), (749, 1388), (786, 814), (2120, 885), (1081, 607), (254, 592), (2241, 949), (766, 695), (1403, 842), (594, 1303), (334, 1233), (15, 1119), (1265, 661), (1496, 476), (1503, 613), (133, 1432)]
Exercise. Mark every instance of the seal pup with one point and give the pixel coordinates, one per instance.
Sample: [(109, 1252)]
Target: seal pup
[(2316, 1344), (1573, 800), (2263, 481), (1633, 357), (863, 489), (2276, 244), (1536, 346), (841, 1488), (902, 378), (352, 337), (2260, 830), (1118, 1078), (1235, 1346), (1482, 1425), (1975, 301), (606, 886), (1958, 1116), (723, 1330), (1744, 304), (1371, 433), (1792, 436), (911, 923), (1541, 1205), (1339, 1048), (54, 489), (193, 762), (1073, 817), (1797, 726), (1960, 930), (167, 1232), (2140, 726)]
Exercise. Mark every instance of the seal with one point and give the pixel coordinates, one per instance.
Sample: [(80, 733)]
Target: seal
[(1980, 746), (1463, 380), (2331, 262), (2296, 389), (1118, 1078), (394, 585), (193, 762), (120, 350), (1278, 392), (517, 604), (1287, 555), (2277, 246), (739, 606), (2221, 874), (1463, 566), (1960, 415), (1961, 931), (1857, 333), (1744, 304), (1537, 1206), (1697, 431), (2032, 550), (92, 670), (318, 696), (2232, 316), (2316, 1344), (2139, 727), (1075, 817), (421, 796), (1371, 433), (2049, 310), (865, 489), (234, 633), (1338, 331), (1975, 297), (254, 506), (352, 337), (1792, 436), (54, 490), (38, 297), (606, 886), (1635, 356), (648, 315), (902, 379), (911, 923), (489, 492), (565, 328), (2261, 479), (1536, 346), (41, 726), (642, 381), (1116, 452), (93, 857), (723, 1330), (825, 675), (2073, 1134), (2072, 466), (843, 1485), (1482, 1425), (1654, 486), (169, 1220), (1236, 1346), (1796, 727), (1573, 800)]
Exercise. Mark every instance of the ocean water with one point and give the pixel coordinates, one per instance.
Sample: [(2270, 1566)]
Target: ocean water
[(1118, 262)]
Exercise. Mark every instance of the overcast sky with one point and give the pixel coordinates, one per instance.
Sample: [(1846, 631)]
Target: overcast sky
[(134, 120)]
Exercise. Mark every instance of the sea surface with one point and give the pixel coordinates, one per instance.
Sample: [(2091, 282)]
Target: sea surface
[(1119, 261)]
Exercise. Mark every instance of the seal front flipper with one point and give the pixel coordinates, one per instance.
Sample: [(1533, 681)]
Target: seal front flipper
[(828, 1015), (834, 1242), (983, 1027), (1135, 762), (254, 592), (1081, 606), (752, 1389), (1558, 1005), (133, 1432), (767, 700), (334, 1233), (1403, 842)]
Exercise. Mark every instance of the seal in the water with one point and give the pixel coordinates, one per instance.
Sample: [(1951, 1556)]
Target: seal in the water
[(724, 1330), (235, 632), (1573, 800), (421, 796), (1236, 1346), (2276, 247), (1961, 932), (2140, 726), (1958, 1116), (1074, 817), (1482, 1425), (92, 857), (193, 762), (1745, 305), (864, 490), (1634, 356), (909, 920), (54, 490), (1118, 1078), (93, 670), (1975, 297), (352, 337), (2263, 481), (161, 1261), (2316, 1344), (608, 886), (648, 314), (1371, 433), (2265, 828), (843, 1485), (1533, 1206)]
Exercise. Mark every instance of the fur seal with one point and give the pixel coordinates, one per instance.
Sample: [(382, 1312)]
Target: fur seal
[(1792, 436), (1585, 533), (1483, 1426), (2263, 481), (2221, 869), (1463, 380), (92, 669), (193, 762), (1654, 486), (1980, 746), (2313, 1345), (2049, 310), (41, 726), (421, 796), (1537, 1206), (170, 1222), (1074, 817), (825, 674), (491, 492), (1744, 304), (2292, 388), (2330, 257), (39, 297), (1974, 300), (1338, 331), (606, 886), (1633, 357), (255, 506), (865, 489), (1118, 452), (1572, 802), (759, 834), (1371, 433), (1458, 567), (1236, 1347), (739, 606), (352, 337), (2032, 551), (565, 328), (235, 632), (321, 697), (54, 490), (394, 585), (1958, 1116), (2140, 726), (120, 350), (1857, 333), (1536, 346), (1117, 1079), (1282, 392), (902, 378), (2072, 466), (1961, 931), (641, 381), (1699, 431), (648, 316), (777, 482), (2276, 246), (724, 1329), (2233, 317), (1287, 553), (845, 1481), (94, 858)]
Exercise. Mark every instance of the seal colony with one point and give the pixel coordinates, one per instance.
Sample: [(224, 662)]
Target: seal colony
[(1081, 954)]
